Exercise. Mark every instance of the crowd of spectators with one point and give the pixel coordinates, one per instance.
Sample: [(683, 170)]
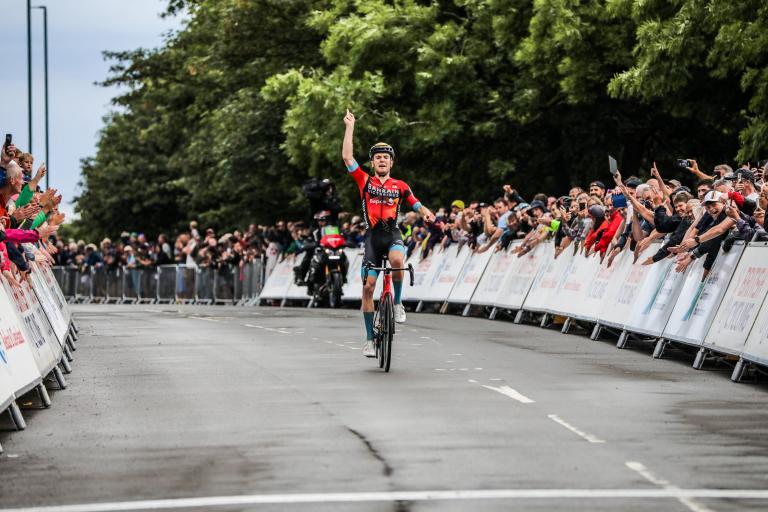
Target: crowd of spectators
[(29, 215), (597, 221)]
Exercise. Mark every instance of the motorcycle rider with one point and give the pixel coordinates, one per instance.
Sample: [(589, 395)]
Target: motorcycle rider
[(306, 266)]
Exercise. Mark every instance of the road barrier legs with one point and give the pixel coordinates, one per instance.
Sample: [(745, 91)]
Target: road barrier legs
[(739, 369), (701, 356), (566, 326), (519, 316), (492, 316), (65, 365), (623, 339), (45, 399), (596, 332), (661, 345), (16, 416), (68, 354), (59, 376), (71, 342)]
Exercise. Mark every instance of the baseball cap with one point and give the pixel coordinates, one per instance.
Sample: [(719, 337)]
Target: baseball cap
[(745, 174), (458, 204), (538, 204), (598, 183), (632, 182), (596, 211), (521, 206), (713, 196)]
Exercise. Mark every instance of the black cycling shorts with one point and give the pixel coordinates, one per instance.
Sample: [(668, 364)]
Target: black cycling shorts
[(378, 243)]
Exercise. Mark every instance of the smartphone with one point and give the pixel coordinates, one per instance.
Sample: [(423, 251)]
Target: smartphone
[(613, 165), (8, 140)]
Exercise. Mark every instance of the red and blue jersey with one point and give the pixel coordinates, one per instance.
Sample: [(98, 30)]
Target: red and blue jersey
[(381, 201)]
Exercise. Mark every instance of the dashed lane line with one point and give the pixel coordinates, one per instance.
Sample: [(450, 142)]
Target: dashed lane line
[(578, 432), (511, 393)]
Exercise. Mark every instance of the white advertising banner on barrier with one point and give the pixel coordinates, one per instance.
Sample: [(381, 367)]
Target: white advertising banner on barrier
[(6, 379), (53, 286), (656, 299), (741, 302), (295, 291), (599, 286), (18, 350), (620, 300), (547, 282), (521, 275), (570, 299), (490, 284), (425, 270), (448, 274), (756, 348), (699, 297), (470, 277), (278, 281), (35, 326), (51, 308), (353, 289)]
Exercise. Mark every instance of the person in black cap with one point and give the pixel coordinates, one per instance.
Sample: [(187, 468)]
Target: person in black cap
[(744, 183), (597, 188)]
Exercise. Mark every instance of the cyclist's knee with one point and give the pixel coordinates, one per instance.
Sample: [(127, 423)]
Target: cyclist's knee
[(368, 288)]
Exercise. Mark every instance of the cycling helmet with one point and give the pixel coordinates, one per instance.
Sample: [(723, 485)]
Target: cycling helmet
[(381, 147)]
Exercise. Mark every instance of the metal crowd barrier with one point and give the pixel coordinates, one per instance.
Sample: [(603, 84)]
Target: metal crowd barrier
[(164, 284)]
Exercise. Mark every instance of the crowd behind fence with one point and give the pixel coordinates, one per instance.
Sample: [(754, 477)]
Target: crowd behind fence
[(160, 284)]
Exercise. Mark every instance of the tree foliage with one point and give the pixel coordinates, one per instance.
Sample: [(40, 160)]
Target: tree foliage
[(237, 109)]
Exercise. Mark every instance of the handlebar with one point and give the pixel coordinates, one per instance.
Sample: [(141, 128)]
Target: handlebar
[(389, 270)]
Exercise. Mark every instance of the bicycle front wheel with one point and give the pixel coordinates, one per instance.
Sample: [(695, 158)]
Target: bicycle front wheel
[(389, 333)]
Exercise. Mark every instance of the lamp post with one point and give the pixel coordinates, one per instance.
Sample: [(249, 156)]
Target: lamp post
[(29, 73), (45, 60)]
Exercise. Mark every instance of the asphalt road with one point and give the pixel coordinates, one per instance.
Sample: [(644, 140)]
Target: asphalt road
[(276, 409)]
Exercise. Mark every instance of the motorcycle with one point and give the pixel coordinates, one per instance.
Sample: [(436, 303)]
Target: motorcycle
[(328, 271)]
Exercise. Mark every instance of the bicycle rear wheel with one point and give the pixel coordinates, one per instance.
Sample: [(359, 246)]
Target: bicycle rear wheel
[(389, 333)]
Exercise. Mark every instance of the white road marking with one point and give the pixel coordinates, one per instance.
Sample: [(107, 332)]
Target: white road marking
[(439, 369), (457, 354), (478, 368), (254, 326), (203, 318), (511, 393), (495, 379), (643, 471), (340, 345), (392, 496), (473, 381), (580, 433)]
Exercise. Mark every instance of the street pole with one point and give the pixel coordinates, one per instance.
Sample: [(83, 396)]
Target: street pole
[(45, 59), (29, 74)]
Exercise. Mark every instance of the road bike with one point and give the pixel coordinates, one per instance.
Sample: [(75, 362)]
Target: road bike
[(384, 316)]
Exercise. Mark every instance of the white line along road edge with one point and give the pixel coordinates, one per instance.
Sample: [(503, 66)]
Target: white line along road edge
[(360, 497)]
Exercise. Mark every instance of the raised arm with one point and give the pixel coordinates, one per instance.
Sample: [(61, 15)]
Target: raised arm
[(347, 150)]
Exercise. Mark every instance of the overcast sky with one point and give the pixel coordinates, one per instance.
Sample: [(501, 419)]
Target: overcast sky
[(78, 31)]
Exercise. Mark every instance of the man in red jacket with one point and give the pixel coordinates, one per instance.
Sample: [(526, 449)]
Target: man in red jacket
[(600, 238)]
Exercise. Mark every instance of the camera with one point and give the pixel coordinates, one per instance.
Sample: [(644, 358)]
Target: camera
[(682, 163)]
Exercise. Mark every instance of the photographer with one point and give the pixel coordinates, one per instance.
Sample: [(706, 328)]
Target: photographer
[(322, 197)]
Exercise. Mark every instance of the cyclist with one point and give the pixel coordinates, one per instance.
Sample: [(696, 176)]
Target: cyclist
[(381, 196)]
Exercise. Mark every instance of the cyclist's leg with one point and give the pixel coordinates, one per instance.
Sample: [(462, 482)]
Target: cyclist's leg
[(397, 260), (373, 257)]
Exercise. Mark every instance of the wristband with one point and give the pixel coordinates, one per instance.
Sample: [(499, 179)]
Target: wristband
[(697, 239)]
